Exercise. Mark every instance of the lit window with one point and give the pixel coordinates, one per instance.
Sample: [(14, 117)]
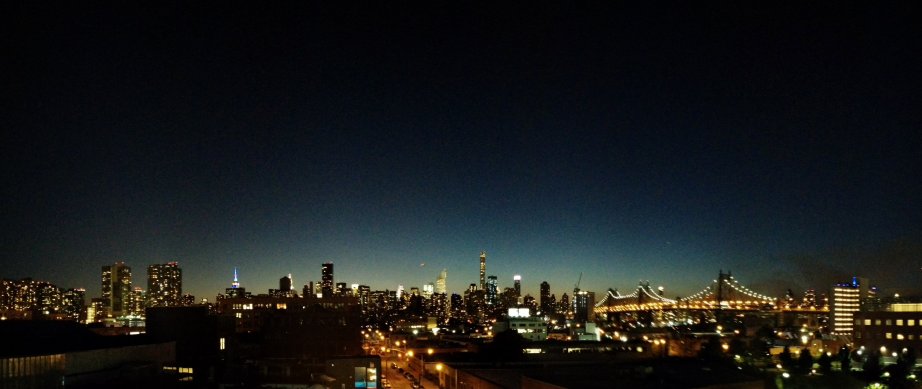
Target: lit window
[(911, 322), (899, 337), (221, 344), (877, 322), (239, 315), (867, 322), (899, 322), (889, 322), (888, 335)]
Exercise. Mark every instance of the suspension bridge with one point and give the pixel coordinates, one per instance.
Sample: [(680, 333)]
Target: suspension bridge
[(724, 294)]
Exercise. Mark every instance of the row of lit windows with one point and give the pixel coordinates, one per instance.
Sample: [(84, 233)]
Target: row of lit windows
[(888, 322), (181, 370), (522, 324), (890, 335), (247, 307), (30, 366)]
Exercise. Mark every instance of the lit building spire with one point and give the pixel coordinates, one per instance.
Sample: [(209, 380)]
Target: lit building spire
[(483, 270), (235, 284)]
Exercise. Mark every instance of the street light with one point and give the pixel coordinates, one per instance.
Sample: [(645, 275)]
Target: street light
[(438, 368)]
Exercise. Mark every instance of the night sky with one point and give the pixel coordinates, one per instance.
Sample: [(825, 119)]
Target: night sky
[(624, 142)]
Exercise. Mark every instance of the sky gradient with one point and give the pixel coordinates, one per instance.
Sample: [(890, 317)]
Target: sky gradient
[(625, 143)]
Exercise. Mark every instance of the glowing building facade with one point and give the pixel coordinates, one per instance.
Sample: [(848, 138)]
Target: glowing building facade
[(846, 301), (164, 285)]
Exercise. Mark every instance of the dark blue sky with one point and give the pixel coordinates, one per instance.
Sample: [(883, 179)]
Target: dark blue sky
[(623, 142)]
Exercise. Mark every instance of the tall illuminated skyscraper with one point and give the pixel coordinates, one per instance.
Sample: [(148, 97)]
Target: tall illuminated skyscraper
[(235, 290), (846, 300), (326, 279), (483, 270), (492, 290), (517, 284), (164, 285), (116, 289), (440, 286)]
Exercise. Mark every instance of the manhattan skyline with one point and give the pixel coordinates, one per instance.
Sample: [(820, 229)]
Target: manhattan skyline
[(623, 142)]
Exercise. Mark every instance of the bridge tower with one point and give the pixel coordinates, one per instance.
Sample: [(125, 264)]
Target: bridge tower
[(723, 290)]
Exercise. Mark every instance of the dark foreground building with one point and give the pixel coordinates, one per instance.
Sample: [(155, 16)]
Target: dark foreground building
[(57, 354)]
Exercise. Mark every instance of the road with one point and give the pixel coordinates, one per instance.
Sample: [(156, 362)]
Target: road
[(397, 380)]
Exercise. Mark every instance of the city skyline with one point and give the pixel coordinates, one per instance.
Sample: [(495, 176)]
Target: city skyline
[(624, 142)]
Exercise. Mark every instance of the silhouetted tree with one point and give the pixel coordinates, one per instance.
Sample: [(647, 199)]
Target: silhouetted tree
[(902, 368), (845, 358), (825, 363), (871, 366), (804, 361), (787, 360)]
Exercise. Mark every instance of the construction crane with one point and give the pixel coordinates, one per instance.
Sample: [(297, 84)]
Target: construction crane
[(576, 287)]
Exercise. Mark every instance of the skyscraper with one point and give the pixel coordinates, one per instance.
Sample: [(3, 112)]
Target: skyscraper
[(846, 299), (285, 284), (483, 270), (440, 286), (517, 284), (235, 290), (116, 289), (164, 285), (545, 298), (583, 302), (326, 279), (492, 290)]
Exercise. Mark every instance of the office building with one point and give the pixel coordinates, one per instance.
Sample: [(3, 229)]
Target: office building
[(116, 289), (846, 298), (440, 283), (235, 290), (164, 285), (517, 285), (583, 302), (492, 290), (285, 284), (326, 280), (483, 270), (545, 299)]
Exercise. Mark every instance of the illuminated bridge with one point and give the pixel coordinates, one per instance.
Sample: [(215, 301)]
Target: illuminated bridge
[(724, 294)]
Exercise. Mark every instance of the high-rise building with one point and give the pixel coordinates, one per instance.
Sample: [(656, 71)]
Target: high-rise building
[(364, 291), (583, 302), (285, 284), (483, 270), (137, 302), (440, 286), (164, 285), (116, 289), (428, 290), (846, 300), (517, 285), (492, 290), (326, 279), (544, 299), (75, 304), (235, 290)]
